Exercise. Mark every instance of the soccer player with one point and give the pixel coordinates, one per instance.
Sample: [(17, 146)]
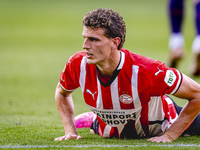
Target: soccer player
[(176, 40), (125, 90)]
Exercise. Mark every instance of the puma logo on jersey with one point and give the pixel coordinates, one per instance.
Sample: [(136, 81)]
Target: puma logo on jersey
[(88, 91), (158, 71), (62, 80)]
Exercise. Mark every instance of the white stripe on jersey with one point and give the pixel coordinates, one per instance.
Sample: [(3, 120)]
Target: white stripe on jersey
[(65, 89), (134, 82), (178, 83), (114, 86), (106, 132), (154, 114), (83, 73), (137, 103), (120, 129), (115, 94), (122, 61), (168, 100), (99, 97)]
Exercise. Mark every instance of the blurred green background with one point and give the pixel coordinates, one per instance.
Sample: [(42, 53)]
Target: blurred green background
[(38, 36)]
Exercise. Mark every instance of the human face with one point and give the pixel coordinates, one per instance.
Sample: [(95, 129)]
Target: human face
[(97, 46)]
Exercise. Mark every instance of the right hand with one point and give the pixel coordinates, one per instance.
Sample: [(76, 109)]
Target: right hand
[(67, 137)]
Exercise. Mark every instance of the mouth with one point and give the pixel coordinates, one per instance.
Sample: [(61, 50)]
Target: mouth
[(89, 55)]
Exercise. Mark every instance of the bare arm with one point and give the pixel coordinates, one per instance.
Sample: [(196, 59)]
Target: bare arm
[(65, 108), (190, 90)]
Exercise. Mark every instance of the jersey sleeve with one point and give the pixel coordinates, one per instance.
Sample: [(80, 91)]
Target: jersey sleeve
[(69, 79), (163, 80)]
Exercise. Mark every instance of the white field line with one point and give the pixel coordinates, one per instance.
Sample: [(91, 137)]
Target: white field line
[(87, 146)]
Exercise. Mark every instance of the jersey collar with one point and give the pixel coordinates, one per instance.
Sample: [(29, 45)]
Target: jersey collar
[(115, 73)]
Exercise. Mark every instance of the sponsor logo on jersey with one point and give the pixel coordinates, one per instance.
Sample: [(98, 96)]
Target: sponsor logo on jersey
[(114, 118), (126, 99), (170, 77)]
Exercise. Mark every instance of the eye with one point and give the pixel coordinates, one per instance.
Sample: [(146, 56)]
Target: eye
[(93, 39)]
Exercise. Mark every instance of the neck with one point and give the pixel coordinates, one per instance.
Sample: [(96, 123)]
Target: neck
[(108, 67)]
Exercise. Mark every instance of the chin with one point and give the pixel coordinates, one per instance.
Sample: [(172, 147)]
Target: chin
[(91, 62)]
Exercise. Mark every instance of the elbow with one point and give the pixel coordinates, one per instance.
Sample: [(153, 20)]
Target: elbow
[(60, 93)]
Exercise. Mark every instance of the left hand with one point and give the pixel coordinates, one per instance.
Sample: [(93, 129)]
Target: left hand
[(161, 139), (67, 137)]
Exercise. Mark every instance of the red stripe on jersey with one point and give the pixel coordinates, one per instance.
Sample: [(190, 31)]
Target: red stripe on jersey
[(172, 111), (102, 126), (114, 132), (144, 99), (169, 109), (125, 90), (91, 91), (144, 118), (106, 97)]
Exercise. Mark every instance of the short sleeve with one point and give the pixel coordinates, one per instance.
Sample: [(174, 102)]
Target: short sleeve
[(163, 80), (69, 77)]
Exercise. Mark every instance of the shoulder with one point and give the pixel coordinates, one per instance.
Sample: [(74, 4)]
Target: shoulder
[(74, 61), (77, 56), (140, 60)]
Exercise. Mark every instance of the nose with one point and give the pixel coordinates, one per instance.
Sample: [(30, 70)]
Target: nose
[(86, 44)]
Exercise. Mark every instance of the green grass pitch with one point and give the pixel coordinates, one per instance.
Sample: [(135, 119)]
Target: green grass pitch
[(36, 39)]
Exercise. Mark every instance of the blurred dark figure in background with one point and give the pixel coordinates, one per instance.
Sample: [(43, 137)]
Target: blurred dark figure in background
[(176, 40)]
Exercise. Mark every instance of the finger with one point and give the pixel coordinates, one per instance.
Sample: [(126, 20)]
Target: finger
[(70, 137), (59, 138), (67, 137), (154, 139), (79, 137), (73, 137), (62, 138), (159, 140)]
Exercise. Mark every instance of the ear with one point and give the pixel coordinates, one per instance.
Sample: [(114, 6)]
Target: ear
[(115, 42)]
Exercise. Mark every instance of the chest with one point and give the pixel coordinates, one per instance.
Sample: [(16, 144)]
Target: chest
[(119, 93)]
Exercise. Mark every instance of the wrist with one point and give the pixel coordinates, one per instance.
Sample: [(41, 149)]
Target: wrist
[(170, 136), (70, 130)]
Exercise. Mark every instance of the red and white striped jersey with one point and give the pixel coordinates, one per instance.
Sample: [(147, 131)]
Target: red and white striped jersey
[(132, 102)]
